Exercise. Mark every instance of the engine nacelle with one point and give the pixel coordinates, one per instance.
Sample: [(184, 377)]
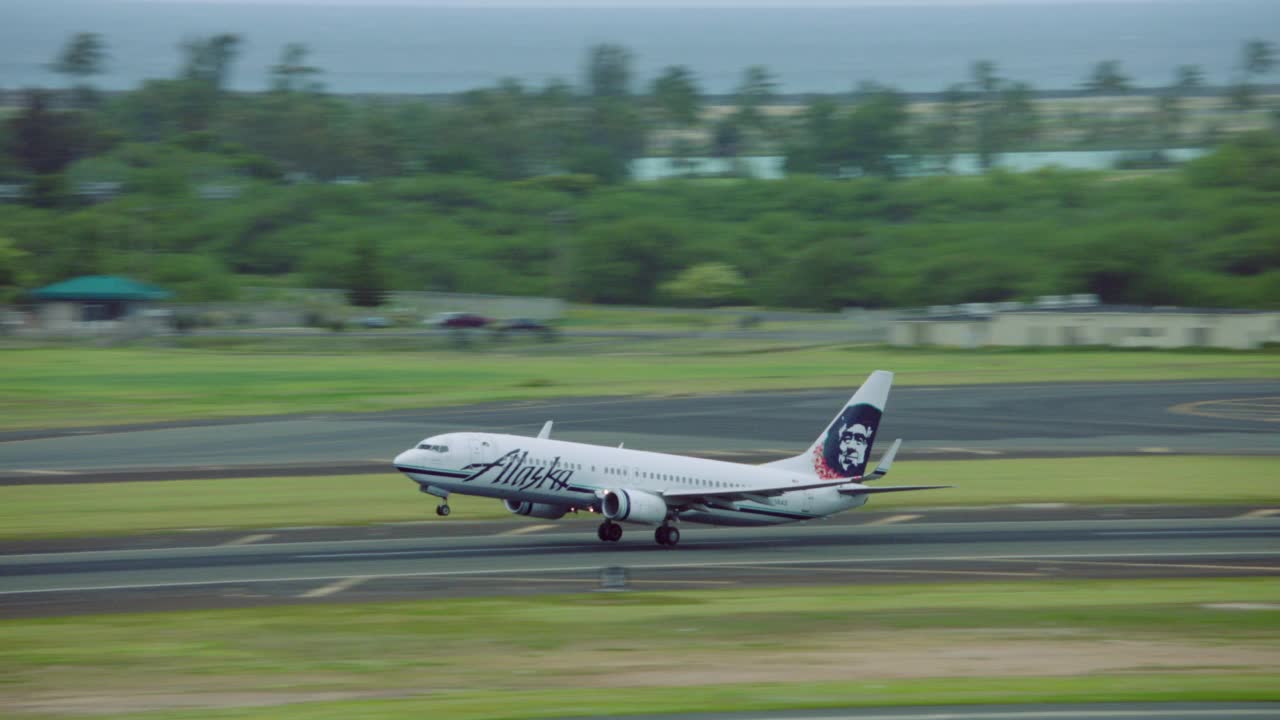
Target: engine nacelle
[(538, 510), (634, 506)]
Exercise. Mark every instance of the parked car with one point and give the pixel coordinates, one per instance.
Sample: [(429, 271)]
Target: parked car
[(525, 324), (459, 320)]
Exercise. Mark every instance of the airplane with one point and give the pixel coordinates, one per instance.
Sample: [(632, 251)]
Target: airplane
[(543, 478)]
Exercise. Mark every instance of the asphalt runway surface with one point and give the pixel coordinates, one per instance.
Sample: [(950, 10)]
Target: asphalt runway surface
[(1048, 420), (448, 559)]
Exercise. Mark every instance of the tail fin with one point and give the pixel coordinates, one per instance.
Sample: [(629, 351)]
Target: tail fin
[(843, 449)]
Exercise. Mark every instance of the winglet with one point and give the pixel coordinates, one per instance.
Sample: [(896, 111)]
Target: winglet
[(545, 432), (882, 467)]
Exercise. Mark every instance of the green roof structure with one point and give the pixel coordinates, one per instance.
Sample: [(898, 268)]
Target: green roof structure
[(99, 287)]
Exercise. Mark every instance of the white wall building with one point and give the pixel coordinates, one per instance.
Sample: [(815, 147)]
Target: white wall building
[(1110, 326)]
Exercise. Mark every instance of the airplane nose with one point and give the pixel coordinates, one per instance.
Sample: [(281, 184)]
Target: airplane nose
[(403, 457)]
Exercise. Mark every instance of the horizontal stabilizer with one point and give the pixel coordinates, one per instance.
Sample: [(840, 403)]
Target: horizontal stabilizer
[(892, 488)]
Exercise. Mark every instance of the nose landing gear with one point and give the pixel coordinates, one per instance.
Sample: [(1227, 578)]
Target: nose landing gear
[(443, 508)]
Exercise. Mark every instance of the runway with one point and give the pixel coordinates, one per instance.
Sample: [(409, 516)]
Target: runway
[(1050, 419), (461, 558), (490, 558)]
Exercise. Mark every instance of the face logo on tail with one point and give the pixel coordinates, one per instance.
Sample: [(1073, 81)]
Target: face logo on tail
[(843, 453)]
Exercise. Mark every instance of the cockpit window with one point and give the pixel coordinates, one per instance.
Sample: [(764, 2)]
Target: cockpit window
[(434, 448)]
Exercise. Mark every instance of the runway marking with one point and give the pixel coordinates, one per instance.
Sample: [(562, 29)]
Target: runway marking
[(594, 581), (419, 551), (1259, 513), (893, 571), (1182, 566), (248, 539), (966, 451), (527, 529), (1262, 409), (595, 567), (1232, 531), (333, 588), (892, 519), (43, 472)]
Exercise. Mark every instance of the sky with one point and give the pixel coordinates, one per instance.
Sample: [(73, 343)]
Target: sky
[(664, 3)]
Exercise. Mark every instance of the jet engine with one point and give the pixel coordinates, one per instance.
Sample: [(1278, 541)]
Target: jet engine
[(634, 506), (538, 510)]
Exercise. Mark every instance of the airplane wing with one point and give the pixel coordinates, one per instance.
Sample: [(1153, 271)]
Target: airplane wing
[(852, 486), (759, 493), (747, 493)]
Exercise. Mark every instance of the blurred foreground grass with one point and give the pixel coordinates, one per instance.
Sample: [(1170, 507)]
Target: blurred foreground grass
[(609, 653), (35, 511), (80, 386)]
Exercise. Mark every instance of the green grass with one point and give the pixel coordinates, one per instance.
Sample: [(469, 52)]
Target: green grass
[(35, 511), (595, 653), (71, 386), (515, 705)]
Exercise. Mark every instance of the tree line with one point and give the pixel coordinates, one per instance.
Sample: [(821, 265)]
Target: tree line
[(1204, 235), (516, 190), (597, 126)]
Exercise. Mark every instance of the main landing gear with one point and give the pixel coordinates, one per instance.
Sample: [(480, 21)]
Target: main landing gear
[(609, 531), (442, 509), (667, 535)]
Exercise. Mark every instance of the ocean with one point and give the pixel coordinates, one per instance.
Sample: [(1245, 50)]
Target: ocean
[(363, 47)]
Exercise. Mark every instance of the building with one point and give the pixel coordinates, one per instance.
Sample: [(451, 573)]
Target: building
[(94, 303), (1066, 324)]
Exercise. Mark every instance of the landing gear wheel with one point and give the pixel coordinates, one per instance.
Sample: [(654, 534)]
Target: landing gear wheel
[(442, 510), (609, 531), (666, 535)]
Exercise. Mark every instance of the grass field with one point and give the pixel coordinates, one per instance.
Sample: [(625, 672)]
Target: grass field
[(658, 652), (78, 386), (35, 511)]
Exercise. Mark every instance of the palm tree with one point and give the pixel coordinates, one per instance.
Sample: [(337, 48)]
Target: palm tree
[(675, 93), (81, 58), (1107, 78), (1257, 58)]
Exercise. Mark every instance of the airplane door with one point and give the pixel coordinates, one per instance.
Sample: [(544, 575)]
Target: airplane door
[(480, 451), (806, 501)]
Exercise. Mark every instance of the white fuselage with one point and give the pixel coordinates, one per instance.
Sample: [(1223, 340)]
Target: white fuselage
[(576, 475)]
